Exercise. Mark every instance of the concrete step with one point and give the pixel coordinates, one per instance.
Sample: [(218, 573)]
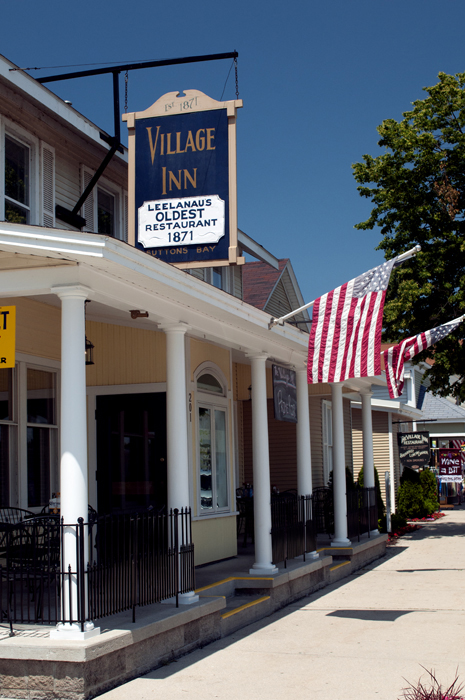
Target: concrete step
[(242, 610), (340, 569)]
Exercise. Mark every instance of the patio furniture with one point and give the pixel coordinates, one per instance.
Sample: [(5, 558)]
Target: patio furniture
[(10, 516), (32, 556)]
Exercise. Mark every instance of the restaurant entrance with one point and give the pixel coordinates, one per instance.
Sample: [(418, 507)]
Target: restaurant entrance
[(131, 452)]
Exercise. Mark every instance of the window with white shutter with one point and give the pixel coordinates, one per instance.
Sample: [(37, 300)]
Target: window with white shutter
[(88, 209), (48, 184)]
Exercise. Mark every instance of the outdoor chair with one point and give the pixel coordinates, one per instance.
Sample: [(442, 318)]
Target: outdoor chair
[(9, 517), (32, 563)]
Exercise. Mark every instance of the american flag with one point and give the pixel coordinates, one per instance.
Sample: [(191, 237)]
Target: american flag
[(345, 339), (408, 348)]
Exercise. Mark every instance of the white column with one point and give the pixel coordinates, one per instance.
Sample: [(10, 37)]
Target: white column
[(339, 470), (367, 436), (391, 464), (73, 438), (177, 445), (304, 455), (261, 469), (177, 450)]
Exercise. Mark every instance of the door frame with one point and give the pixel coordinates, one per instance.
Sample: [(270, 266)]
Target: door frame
[(92, 393)]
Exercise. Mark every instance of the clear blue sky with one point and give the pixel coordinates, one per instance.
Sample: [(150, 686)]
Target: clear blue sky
[(316, 79)]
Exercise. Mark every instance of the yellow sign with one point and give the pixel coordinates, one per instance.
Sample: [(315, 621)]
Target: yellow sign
[(7, 336)]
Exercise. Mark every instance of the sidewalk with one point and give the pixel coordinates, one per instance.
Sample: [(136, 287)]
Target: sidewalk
[(354, 640)]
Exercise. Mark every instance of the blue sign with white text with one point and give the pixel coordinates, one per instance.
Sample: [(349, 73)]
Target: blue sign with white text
[(182, 186)]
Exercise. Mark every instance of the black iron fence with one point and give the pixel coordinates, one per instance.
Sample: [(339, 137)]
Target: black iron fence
[(362, 512), (288, 518), (113, 563), (293, 532)]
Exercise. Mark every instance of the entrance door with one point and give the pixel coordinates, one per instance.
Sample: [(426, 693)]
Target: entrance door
[(131, 452)]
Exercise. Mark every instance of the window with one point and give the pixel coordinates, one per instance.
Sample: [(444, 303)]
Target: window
[(212, 406), (105, 212), (27, 177), (105, 209), (42, 469), (327, 440), (17, 181), (8, 433), (217, 277)]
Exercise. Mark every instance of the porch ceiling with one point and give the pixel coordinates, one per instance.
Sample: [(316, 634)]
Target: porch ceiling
[(18, 261)]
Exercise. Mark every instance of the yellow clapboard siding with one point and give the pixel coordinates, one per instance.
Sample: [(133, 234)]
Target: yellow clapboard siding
[(207, 352), (38, 327), (124, 355)]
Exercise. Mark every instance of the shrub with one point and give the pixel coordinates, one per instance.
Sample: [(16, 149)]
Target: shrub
[(430, 490), (410, 501), (433, 691), (349, 480), (418, 498), (397, 521), (379, 498)]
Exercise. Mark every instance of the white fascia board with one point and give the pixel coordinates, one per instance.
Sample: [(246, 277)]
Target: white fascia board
[(51, 242), (439, 421), (45, 97), (391, 406), (132, 269), (295, 284), (256, 250)]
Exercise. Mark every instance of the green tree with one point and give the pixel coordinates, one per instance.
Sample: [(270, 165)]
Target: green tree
[(417, 187)]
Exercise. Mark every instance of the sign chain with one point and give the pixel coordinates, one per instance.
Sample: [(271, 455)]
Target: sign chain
[(237, 81), (126, 80)]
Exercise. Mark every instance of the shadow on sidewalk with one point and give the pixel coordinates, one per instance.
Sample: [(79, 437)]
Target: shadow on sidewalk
[(171, 668)]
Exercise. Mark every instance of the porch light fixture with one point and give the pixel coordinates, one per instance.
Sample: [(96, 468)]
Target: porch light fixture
[(89, 352), (135, 313)]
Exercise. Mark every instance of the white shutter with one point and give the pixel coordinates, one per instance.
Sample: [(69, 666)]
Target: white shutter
[(47, 162), (327, 429), (125, 216), (88, 210)]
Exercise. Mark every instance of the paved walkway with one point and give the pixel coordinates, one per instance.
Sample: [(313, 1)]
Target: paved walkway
[(356, 640)]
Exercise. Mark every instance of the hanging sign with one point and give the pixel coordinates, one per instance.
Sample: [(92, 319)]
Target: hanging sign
[(182, 180), (450, 465), (413, 449), (7, 336), (284, 394)]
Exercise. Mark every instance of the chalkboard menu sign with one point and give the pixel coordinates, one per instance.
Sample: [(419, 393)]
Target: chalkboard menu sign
[(284, 394), (413, 449)]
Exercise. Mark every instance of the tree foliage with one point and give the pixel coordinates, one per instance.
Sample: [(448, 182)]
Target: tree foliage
[(417, 188)]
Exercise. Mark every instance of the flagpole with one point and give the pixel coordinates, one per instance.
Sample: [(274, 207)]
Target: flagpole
[(279, 321)]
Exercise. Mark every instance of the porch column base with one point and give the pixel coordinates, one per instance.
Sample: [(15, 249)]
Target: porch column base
[(341, 542), (73, 631), (183, 599), (263, 569)]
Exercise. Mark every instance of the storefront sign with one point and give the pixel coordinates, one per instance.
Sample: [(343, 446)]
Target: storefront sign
[(450, 465), (413, 449), (7, 336), (284, 394), (182, 180), (191, 220)]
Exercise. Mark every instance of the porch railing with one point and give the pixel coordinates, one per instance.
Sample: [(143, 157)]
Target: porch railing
[(362, 512), (293, 531), (119, 562)]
